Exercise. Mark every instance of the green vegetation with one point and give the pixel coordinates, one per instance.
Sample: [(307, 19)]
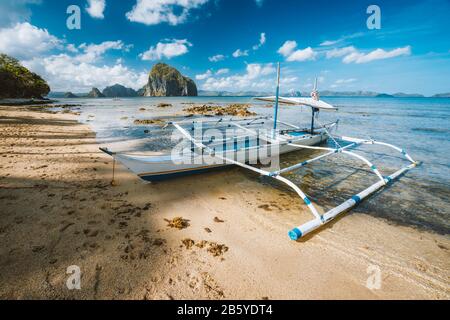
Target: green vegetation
[(166, 72), (16, 81)]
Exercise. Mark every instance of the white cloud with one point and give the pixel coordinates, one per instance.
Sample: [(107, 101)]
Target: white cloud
[(342, 39), (217, 58), (302, 55), (378, 54), (222, 71), (25, 41), (209, 74), (93, 52), (64, 72), (262, 41), (74, 70), (288, 80), (353, 55), (340, 52), (152, 12), (287, 48), (288, 51), (239, 53), (168, 49), (14, 11), (204, 76), (96, 8), (71, 48), (245, 81), (329, 43)]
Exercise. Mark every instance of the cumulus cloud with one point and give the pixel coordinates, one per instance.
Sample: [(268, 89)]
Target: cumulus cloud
[(167, 49), (93, 52), (76, 68), (302, 55), (66, 72), (173, 12), (217, 58), (24, 40), (239, 53), (204, 76), (209, 74), (288, 50), (96, 8), (244, 81)]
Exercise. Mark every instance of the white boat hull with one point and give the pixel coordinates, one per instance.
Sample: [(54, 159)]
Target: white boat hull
[(161, 167)]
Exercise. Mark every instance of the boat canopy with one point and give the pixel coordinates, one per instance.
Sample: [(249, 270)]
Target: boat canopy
[(310, 102)]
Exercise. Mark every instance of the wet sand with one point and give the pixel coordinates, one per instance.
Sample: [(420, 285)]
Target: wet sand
[(58, 209)]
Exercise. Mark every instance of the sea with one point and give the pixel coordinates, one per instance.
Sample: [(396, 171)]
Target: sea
[(421, 126)]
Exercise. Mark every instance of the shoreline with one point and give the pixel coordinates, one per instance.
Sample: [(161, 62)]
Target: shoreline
[(60, 210)]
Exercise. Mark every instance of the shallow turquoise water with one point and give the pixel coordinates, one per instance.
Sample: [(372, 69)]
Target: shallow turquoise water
[(420, 125)]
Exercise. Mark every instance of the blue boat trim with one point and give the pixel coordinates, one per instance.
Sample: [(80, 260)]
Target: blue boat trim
[(295, 234), (357, 199), (307, 201)]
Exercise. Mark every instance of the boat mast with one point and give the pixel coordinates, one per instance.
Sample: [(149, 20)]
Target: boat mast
[(315, 96), (276, 103)]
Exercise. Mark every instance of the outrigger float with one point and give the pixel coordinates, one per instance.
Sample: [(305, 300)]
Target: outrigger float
[(205, 154)]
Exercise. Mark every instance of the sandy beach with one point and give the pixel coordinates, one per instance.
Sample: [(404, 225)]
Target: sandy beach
[(58, 209)]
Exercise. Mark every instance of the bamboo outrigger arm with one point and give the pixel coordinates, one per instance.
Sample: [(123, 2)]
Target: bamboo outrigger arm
[(318, 219), (312, 225)]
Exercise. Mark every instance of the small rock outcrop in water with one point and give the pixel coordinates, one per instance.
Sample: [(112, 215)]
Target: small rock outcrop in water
[(236, 109), (166, 81), (69, 95), (118, 90), (17, 82), (95, 93)]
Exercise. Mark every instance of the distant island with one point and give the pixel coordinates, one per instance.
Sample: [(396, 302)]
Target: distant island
[(324, 93), (118, 90), (95, 93), (205, 93), (442, 95), (166, 81)]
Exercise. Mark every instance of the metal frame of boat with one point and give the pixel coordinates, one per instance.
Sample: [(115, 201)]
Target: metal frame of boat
[(289, 140)]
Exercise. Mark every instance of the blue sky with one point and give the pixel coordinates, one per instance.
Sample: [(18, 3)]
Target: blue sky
[(233, 45)]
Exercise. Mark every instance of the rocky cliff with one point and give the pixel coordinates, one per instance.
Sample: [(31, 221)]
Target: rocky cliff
[(16, 81), (95, 93), (166, 81), (118, 90)]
